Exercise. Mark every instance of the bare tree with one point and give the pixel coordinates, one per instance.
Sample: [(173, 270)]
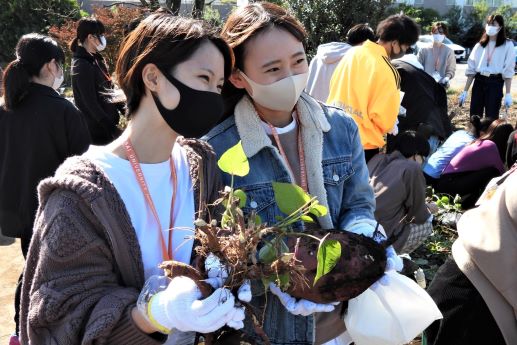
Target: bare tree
[(173, 5), (197, 8), (151, 4)]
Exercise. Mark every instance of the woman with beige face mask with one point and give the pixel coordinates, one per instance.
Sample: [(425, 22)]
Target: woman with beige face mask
[(288, 136)]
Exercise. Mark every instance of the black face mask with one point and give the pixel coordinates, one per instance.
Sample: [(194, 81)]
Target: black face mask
[(197, 111)]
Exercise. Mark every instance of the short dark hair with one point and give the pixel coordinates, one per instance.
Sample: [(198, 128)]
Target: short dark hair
[(411, 143), (32, 52), (501, 35), (85, 27), (360, 33), (166, 41), (398, 27), (440, 25)]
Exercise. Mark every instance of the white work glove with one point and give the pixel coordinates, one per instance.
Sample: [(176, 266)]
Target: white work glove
[(301, 307), (445, 82), (367, 227), (462, 98), (179, 307), (218, 273), (395, 129), (508, 100)]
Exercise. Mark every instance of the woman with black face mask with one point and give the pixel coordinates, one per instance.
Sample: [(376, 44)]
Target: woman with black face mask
[(39, 129), (107, 219), (92, 84)]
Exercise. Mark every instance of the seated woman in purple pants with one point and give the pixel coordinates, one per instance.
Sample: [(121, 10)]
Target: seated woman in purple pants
[(476, 164)]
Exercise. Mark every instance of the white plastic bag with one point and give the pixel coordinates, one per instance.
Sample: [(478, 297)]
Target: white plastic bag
[(392, 314)]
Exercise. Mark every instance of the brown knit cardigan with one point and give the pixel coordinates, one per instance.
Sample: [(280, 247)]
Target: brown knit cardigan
[(84, 268)]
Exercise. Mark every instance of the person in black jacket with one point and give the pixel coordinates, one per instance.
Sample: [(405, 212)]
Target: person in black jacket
[(39, 129), (425, 102), (91, 82)]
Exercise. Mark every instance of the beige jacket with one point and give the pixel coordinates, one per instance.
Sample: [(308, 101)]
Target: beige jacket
[(486, 252)]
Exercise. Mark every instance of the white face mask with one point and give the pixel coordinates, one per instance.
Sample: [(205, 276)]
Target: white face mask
[(102, 46), (58, 81), (281, 95), (491, 30), (438, 38)]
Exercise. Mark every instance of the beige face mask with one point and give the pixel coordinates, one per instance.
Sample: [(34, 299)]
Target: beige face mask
[(281, 95)]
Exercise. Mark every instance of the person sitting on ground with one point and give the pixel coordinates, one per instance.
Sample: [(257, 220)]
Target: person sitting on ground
[(475, 165), (434, 166), (399, 187), (327, 58)]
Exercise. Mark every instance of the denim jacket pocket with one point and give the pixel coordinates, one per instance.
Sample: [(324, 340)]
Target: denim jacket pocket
[(261, 199), (337, 170)]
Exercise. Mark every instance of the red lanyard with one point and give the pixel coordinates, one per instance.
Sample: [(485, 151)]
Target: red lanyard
[(133, 159), (489, 55), (437, 58), (106, 75), (301, 153)]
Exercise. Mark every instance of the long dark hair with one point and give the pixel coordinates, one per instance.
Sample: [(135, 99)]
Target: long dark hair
[(477, 126), (498, 132), (32, 52), (501, 35), (85, 27), (164, 40), (245, 23)]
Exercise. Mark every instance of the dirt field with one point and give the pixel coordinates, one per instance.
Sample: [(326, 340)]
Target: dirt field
[(10, 268)]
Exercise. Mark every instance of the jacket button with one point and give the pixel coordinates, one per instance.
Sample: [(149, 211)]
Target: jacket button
[(335, 177), (253, 204)]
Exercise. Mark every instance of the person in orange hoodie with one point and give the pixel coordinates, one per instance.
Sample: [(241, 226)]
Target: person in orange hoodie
[(366, 85)]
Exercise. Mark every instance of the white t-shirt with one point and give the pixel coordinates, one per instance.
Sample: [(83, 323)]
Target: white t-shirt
[(158, 179)]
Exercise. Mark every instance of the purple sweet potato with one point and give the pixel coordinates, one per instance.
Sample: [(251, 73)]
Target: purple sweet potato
[(362, 263)]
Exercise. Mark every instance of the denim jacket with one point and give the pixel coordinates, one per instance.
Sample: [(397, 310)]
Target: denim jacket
[(336, 174)]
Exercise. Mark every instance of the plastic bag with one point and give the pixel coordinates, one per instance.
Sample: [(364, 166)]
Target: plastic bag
[(392, 314)]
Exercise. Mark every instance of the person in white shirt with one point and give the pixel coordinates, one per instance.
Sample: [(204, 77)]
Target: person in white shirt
[(328, 56), (438, 59), (490, 65)]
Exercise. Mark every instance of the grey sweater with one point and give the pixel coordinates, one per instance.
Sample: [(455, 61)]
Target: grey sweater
[(84, 269), (444, 55)]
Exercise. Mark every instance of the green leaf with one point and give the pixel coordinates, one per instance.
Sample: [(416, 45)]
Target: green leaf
[(318, 210), (267, 254), (257, 220), (289, 197), (307, 219), (226, 220), (234, 161), (282, 281), (239, 193), (328, 256)]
